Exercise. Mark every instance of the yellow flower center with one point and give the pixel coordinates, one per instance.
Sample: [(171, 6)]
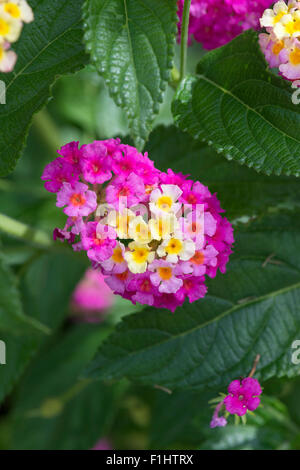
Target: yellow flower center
[(140, 255), (117, 256), (165, 203), (278, 46), (295, 57), (165, 273), (4, 27), (1, 53), (12, 9), (279, 16), (293, 27), (174, 246)]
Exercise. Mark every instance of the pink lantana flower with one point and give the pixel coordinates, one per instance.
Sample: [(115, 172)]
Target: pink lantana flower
[(142, 288), (71, 153), (164, 276), (192, 287), (99, 241), (202, 260), (80, 201), (131, 188), (243, 396), (290, 60), (95, 163), (116, 264), (58, 172), (119, 282)]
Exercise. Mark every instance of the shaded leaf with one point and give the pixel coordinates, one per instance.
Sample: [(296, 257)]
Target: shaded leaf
[(241, 109), (253, 309), (50, 46)]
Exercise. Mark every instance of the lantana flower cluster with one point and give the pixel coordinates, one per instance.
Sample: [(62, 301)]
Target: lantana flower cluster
[(154, 235), (243, 397), (13, 14), (216, 22), (281, 43)]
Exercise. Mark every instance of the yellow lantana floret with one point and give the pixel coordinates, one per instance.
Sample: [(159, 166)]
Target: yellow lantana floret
[(138, 257), (139, 230)]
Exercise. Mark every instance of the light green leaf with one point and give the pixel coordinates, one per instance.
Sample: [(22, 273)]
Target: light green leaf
[(48, 47), (241, 109), (252, 309), (131, 42)]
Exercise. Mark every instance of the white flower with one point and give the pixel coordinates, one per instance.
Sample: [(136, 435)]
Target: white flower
[(163, 226), (7, 58), (288, 26), (138, 257), (272, 16), (139, 230), (19, 10), (120, 221), (10, 28), (165, 200), (176, 248)]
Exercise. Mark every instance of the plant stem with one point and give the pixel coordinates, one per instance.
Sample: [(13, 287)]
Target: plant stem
[(24, 232), (184, 37), (47, 129)]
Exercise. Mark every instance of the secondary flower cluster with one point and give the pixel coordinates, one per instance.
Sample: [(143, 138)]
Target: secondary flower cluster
[(281, 43), (243, 396), (155, 235), (216, 22), (12, 16)]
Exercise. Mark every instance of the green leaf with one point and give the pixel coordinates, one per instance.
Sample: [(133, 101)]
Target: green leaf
[(49, 47), (46, 287), (253, 309), (132, 45), (53, 409), (243, 438), (12, 318), (240, 189), (240, 108), (48, 283)]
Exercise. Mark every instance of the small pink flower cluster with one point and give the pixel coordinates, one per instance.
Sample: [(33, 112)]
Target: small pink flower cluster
[(281, 43), (155, 235), (243, 396), (216, 22)]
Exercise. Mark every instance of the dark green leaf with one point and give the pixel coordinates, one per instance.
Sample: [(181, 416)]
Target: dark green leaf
[(253, 309), (12, 318), (49, 47), (240, 108), (84, 409), (240, 189), (46, 286), (132, 45)]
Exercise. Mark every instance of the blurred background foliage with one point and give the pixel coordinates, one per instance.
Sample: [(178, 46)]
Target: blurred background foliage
[(48, 405)]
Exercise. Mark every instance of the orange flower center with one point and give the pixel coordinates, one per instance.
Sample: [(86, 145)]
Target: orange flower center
[(198, 258), (165, 273), (77, 199)]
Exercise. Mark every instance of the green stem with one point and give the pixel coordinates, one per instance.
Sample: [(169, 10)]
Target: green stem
[(184, 37), (47, 129), (18, 229)]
